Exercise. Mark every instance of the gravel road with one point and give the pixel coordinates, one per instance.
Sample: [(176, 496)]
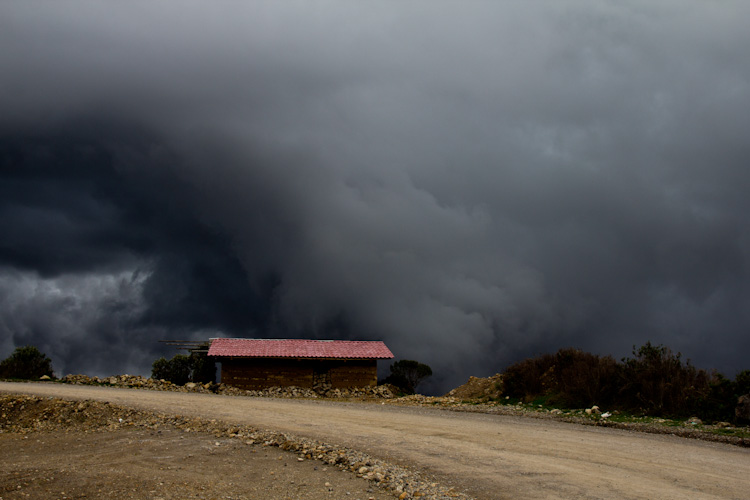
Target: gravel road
[(488, 456)]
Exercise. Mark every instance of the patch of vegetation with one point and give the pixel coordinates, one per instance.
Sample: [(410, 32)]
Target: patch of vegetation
[(732, 431), (407, 374), (26, 363), (183, 368), (545, 402), (653, 382), (508, 400)]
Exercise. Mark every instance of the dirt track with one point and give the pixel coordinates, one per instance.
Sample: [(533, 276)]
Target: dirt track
[(489, 456)]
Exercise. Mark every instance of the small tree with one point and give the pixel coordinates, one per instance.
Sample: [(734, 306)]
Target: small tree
[(530, 377), (203, 369), (26, 363), (583, 379), (160, 369), (182, 369), (407, 374), (742, 383), (657, 382)]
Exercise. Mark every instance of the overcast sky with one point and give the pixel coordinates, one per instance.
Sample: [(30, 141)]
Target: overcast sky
[(471, 182)]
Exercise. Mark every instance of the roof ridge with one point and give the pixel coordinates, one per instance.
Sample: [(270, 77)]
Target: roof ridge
[(305, 348), (294, 340)]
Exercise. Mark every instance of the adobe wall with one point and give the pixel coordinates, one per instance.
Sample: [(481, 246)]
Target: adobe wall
[(254, 374)]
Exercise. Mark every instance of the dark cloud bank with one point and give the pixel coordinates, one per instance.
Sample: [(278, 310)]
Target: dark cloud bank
[(471, 183)]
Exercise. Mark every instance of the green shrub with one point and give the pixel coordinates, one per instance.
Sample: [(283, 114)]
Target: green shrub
[(742, 383), (26, 363), (569, 378), (161, 369), (529, 378), (657, 382), (654, 382), (407, 374), (583, 379), (717, 400), (182, 369), (202, 369)]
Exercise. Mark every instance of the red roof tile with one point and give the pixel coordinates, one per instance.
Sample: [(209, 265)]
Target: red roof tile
[(297, 348)]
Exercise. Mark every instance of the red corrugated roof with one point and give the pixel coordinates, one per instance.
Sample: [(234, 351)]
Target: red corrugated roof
[(297, 348)]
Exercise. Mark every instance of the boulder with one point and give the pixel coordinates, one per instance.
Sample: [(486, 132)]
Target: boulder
[(594, 410)]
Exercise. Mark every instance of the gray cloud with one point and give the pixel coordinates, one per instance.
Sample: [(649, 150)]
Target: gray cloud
[(472, 184)]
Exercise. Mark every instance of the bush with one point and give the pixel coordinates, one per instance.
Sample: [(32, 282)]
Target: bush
[(26, 363), (584, 379), (717, 400), (655, 381), (182, 369), (570, 378), (742, 383), (203, 369), (407, 374), (529, 378)]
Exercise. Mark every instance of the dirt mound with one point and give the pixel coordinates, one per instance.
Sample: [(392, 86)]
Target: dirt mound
[(482, 389), (30, 413)]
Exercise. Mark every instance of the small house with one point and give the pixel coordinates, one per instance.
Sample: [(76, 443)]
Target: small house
[(262, 363)]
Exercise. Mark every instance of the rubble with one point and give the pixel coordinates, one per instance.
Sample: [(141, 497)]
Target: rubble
[(323, 390)]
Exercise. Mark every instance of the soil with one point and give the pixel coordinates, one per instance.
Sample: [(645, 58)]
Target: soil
[(163, 464), (479, 389), (485, 456), (109, 450)]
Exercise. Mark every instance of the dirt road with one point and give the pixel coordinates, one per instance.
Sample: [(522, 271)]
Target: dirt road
[(488, 456)]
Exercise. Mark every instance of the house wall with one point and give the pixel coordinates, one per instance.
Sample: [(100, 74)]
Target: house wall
[(354, 373), (260, 373)]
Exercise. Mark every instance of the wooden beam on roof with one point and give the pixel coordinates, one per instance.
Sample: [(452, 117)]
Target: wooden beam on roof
[(189, 345)]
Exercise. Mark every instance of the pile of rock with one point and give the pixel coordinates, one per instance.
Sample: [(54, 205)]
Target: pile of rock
[(595, 411), (328, 391), (478, 388), (132, 381), (271, 392), (139, 382), (81, 380), (324, 391)]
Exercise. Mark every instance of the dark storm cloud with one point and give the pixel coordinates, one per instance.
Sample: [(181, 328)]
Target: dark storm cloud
[(470, 183), (100, 203)]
